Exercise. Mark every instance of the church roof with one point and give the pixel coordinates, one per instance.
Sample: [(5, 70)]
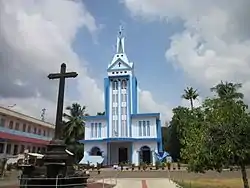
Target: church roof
[(157, 115)]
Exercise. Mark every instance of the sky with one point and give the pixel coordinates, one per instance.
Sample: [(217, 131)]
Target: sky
[(173, 44)]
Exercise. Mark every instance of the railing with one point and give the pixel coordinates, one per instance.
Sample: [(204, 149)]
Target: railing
[(103, 181)]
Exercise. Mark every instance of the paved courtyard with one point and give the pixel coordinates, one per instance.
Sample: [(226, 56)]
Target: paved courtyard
[(177, 175), (125, 183), (136, 179), (140, 183)]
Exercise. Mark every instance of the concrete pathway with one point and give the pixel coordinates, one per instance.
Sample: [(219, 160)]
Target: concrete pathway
[(141, 183), (163, 183)]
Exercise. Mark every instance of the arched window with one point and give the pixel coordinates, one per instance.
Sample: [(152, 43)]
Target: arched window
[(145, 154), (92, 130), (148, 128), (96, 128), (140, 128), (99, 130), (95, 151), (115, 85), (124, 84), (144, 128)]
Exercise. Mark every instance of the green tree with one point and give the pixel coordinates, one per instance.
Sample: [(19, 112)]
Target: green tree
[(165, 130), (227, 135), (192, 141), (176, 130), (217, 134), (74, 127), (190, 94)]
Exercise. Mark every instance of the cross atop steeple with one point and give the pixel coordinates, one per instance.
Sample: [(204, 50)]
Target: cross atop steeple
[(120, 31), (120, 41)]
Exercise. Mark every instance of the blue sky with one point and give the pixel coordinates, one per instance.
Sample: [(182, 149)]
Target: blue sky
[(145, 43), (206, 41)]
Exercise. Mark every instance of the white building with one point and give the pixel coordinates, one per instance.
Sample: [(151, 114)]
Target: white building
[(122, 134), (19, 132)]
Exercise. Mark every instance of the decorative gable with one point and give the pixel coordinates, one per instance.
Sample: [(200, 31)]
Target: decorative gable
[(119, 65)]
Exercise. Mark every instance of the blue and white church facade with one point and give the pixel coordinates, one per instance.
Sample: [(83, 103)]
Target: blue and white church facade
[(123, 134)]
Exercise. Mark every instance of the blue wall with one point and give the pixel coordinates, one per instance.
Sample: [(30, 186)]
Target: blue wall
[(159, 134), (106, 95), (134, 95), (129, 124)]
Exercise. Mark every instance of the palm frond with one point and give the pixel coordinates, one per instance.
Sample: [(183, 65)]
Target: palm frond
[(228, 90)]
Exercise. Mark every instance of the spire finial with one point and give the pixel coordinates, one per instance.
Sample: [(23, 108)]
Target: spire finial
[(120, 41), (120, 30)]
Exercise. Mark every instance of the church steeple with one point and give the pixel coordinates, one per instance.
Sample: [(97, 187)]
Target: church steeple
[(120, 42), (120, 64)]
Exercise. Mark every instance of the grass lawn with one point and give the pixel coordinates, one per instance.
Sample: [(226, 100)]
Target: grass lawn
[(212, 183)]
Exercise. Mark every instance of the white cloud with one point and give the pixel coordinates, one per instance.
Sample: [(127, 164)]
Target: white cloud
[(35, 38), (215, 43), (31, 106), (148, 104)]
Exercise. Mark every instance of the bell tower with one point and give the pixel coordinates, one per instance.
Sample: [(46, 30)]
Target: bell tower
[(120, 92)]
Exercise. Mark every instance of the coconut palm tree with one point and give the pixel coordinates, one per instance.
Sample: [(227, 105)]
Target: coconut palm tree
[(190, 94), (74, 124), (74, 127), (228, 90)]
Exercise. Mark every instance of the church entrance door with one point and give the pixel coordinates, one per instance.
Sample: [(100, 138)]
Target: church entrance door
[(123, 155), (145, 154)]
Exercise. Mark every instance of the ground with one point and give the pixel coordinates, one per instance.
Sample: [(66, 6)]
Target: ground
[(153, 179), (142, 183), (212, 183)]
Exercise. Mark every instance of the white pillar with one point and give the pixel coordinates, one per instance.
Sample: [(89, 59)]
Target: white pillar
[(119, 109), (153, 156), (12, 148), (5, 148), (137, 162)]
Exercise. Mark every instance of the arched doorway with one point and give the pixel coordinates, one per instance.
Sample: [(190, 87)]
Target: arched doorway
[(145, 154), (123, 155), (95, 151)]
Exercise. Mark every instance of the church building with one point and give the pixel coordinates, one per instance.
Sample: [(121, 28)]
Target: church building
[(123, 134)]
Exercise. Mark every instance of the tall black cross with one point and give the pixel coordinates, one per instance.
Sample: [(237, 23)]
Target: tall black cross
[(59, 113)]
